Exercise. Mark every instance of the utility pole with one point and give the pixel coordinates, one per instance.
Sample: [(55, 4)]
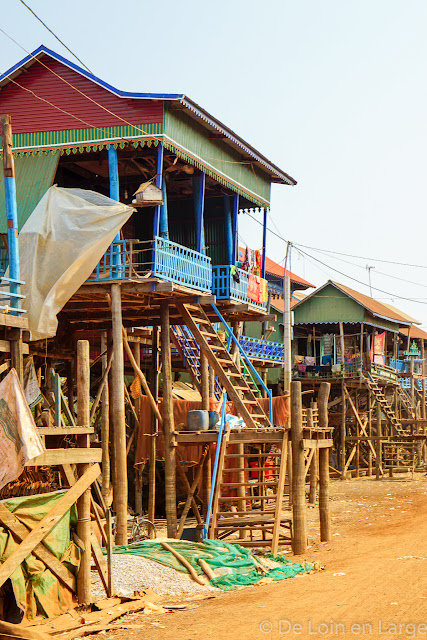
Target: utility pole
[(368, 267)]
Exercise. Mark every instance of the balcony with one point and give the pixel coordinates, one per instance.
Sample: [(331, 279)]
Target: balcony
[(158, 258), (257, 349), (238, 286)]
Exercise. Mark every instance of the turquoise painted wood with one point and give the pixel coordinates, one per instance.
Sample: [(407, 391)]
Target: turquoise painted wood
[(182, 265), (225, 287)]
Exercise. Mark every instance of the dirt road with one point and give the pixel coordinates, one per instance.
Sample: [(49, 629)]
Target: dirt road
[(374, 582)]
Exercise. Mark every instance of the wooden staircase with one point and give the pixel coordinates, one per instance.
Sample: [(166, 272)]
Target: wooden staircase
[(406, 403), (239, 391), (385, 406), (256, 505)]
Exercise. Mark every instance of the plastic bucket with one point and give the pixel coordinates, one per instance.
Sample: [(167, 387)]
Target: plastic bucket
[(198, 420), (213, 419)]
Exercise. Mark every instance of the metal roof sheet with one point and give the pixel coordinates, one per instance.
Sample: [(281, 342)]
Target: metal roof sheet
[(277, 174)]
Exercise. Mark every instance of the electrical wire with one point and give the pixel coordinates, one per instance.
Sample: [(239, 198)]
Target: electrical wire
[(54, 35)]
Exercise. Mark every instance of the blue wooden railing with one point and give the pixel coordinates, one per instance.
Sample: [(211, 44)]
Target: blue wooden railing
[(160, 258), (226, 287), (10, 300), (182, 265), (262, 349)]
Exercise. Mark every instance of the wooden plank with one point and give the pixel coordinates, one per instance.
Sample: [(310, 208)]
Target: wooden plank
[(53, 457), (316, 444), (5, 347), (20, 531), (62, 431), (47, 523), (100, 562), (7, 320)]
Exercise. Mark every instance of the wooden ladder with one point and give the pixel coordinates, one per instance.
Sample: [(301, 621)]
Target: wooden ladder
[(385, 406), (240, 391), (265, 492)]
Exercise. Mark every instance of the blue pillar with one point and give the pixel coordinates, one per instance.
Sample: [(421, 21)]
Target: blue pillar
[(264, 242), (235, 228), (113, 172), (159, 180), (163, 225), (199, 205), (229, 231), (12, 239)]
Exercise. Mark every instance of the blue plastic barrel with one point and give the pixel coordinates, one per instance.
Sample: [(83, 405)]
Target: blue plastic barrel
[(198, 420)]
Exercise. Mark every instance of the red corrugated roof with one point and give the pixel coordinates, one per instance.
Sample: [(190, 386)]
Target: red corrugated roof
[(275, 269), (416, 332)]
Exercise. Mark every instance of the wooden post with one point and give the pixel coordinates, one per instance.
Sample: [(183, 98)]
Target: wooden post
[(290, 473), (357, 456), (324, 515), (204, 376), (154, 425), (287, 334), (299, 534), (369, 400), (423, 373), (12, 215), (342, 433), (83, 503), (17, 361), (70, 386), (119, 420), (241, 489), (378, 447), (313, 464), (105, 427), (168, 423), (138, 467)]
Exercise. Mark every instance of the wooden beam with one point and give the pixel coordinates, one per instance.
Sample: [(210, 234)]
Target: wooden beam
[(47, 523), (53, 457)]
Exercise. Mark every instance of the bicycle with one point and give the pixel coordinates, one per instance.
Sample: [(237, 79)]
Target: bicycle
[(139, 528)]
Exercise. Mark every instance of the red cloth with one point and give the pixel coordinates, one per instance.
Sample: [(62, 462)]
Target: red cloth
[(192, 453)]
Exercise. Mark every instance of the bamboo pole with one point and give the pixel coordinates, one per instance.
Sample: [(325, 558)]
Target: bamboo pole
[(154, 425), (168, 423), (324, 514), (299, 534), (119, 424), (105, 425), (83, 503)]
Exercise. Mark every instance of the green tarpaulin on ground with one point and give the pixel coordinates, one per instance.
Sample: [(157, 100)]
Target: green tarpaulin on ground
[(36, 590), (236, 563)]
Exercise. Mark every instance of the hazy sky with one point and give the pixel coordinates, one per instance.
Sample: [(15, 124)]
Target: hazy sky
[(334, 92)]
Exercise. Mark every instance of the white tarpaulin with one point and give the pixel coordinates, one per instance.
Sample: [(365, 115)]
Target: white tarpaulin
[(19, 438), (59, 246)]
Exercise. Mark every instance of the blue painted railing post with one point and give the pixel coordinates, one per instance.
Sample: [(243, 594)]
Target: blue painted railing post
[(264, 242), (235, 224), (113, 173), (163, 225), (199, 205), (229, 231), (11, 210)]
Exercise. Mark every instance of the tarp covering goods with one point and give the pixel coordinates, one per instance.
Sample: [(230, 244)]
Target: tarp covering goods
[(59, 246)]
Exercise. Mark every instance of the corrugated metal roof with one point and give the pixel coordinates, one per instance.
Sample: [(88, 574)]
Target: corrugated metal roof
[(416, 332), (373, 306), (231, 138), (33, 176)]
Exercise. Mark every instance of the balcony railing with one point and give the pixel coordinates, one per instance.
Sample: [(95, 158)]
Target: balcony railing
[(228, 286), (158, 258), (262, 349)]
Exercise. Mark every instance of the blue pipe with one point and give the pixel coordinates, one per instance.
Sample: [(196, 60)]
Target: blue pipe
[(12, 239), (215, 468), (264, 242), (235, 228), (228, 230), (248, 362)]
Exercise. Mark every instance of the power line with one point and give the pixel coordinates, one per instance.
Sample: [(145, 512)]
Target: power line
[(400, 264), (54, 34)]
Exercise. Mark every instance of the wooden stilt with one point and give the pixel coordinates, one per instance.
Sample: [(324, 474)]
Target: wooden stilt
[(290, 471), (154, 425), (70, 386), (204, 376), (105, 427), (168, 423), (16, 357), (139, 467), (299, 533), (83, 503), (378, 448), (342, 433), (119, 423), (207, 465), (369, 401), (241, 489), (324, 514)]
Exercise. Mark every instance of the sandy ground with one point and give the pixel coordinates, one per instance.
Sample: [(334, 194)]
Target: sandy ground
[(373, 585)]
